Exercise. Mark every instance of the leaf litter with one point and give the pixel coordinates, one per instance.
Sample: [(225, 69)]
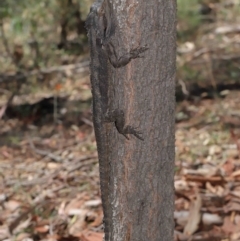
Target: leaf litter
[(50, 183), (207, 205)]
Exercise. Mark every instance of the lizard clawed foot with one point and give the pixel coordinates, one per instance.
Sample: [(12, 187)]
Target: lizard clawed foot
[(135, 53), (133, 131)]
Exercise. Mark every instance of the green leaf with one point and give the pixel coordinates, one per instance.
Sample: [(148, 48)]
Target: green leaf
[(17, 25)]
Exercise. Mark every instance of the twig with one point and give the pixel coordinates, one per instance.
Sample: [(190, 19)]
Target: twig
[(210, 70), (227, 29), (184, 88), (55, 104), (87, 122), (44, 153), (3, 109), (78, 164)]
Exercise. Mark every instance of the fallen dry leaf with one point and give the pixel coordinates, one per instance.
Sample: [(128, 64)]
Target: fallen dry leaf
[(230, 227), (12, 205), (92, 236), (236, 174), (42, 229), (231, 206), (228, 167), (194, 216)]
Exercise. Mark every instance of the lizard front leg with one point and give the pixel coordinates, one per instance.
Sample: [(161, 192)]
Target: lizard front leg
[(123, 60)]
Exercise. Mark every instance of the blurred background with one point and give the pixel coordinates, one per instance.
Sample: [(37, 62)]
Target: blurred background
[(49, 182)]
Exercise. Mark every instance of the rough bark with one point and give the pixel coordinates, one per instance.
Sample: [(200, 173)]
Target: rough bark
[(142, 172)]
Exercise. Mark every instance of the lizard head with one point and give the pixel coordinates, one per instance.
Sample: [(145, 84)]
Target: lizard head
[(99, 19), (95, 20)]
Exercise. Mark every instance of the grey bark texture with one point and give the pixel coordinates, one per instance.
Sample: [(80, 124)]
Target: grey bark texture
[(141, 173)]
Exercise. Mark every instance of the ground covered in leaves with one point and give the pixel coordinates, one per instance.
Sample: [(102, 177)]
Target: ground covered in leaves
[(49, 182)]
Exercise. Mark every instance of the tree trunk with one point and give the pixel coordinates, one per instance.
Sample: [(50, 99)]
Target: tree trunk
[(142, 171)]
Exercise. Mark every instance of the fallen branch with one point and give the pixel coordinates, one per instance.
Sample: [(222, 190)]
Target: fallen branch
[(79, 67), (44, 153)]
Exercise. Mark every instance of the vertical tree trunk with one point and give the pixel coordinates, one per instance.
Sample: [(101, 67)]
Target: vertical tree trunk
[(142, 171)]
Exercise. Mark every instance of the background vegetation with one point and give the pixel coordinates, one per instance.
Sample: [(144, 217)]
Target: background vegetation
[(48, 160)]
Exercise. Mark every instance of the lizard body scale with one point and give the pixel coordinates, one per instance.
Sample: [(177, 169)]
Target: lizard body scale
[(101, 28)]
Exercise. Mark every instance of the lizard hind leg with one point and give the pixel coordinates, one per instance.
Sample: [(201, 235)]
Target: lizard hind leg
[(117, 116)]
